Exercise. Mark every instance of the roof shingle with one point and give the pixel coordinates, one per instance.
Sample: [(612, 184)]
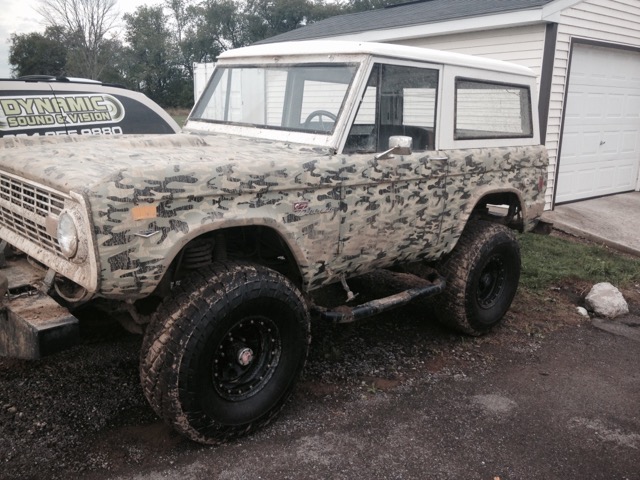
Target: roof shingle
[(396, 16)]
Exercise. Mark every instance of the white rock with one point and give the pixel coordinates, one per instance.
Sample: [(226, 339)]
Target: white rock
[(606, 301), (583, 311)]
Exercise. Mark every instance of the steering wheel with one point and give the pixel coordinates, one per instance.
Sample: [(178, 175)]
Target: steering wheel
[(320, 114)]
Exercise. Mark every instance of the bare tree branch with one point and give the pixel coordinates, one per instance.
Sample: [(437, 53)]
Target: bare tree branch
[(86, 24)]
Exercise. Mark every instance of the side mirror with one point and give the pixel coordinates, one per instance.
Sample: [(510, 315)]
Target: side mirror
[(399, 145)]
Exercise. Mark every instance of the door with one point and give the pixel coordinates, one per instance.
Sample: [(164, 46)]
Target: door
[(601, 140), (392, 203)]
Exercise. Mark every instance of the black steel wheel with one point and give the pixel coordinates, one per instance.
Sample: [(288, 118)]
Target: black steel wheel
[(482, 273), (226, 350), (246, 358), (491, 283)]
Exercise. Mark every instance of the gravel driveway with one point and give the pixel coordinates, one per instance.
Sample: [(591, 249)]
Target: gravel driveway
[(547, 395)]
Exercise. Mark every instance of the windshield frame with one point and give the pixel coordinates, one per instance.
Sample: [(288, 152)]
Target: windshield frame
[(312, 137), (287, 111)]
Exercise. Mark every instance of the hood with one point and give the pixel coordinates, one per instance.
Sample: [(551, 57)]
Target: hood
[(83, 163)]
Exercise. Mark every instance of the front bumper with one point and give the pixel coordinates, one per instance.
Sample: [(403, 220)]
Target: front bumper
[(32, 324)]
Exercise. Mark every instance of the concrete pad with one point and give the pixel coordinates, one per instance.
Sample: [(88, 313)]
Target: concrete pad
[(624, 326), (613, 220)]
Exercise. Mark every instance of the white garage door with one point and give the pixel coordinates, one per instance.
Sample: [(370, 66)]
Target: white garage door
[(601, 141)]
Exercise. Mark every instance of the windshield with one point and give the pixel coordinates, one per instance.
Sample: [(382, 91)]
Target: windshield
[(306, 98)]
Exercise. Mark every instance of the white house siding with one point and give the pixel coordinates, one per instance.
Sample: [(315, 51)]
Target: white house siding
[(521, 45), (610, 21), (201, 74)]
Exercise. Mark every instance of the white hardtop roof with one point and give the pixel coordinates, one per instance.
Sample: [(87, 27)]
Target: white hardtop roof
[(341, 47)]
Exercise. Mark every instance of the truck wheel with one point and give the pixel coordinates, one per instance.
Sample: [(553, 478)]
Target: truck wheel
[(482, 275), (225, 351)]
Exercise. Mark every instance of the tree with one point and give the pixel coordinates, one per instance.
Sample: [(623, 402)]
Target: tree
[(267, 18), (152, 60), (114, 60), (85, 25), (364, 5), (216, 26), (38, 54), (182, 18)]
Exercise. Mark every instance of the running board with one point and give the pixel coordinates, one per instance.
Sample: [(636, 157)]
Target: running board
[(347, 314)]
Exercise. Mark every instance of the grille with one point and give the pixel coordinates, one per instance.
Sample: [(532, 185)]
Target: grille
[(24, 208)]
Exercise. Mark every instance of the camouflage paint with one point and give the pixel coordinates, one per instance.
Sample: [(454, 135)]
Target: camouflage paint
[(341, 214)]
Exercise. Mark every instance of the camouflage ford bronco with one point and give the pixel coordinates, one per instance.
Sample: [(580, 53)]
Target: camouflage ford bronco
[(302, 165)]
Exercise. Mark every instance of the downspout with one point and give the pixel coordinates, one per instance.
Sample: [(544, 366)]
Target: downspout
[(546, 78)]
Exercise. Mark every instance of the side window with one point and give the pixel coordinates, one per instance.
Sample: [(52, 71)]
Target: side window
[(398, 100), (486, 110)]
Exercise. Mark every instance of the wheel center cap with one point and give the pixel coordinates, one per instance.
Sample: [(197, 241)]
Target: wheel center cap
[(245, 356)]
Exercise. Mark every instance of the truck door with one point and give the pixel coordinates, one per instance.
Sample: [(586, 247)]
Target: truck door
[(393, 203)]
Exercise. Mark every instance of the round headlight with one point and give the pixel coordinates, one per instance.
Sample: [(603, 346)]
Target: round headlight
[(67, 235)]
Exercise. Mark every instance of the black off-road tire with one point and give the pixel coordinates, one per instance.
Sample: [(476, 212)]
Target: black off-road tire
[(224, 351), (482, 273)]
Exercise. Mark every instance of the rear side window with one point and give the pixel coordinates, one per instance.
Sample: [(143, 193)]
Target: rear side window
[(486, 110)]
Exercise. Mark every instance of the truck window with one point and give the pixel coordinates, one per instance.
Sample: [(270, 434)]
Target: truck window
[(398, 100), (486, 110), (298, 97)]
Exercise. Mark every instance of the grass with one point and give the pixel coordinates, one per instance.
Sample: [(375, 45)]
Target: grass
[(548, 260), (179, 115)]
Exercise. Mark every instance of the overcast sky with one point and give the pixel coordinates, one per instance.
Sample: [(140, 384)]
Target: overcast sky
[(19, 16)]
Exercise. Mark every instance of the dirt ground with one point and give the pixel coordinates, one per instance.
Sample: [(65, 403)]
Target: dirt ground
[(546, 395)]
